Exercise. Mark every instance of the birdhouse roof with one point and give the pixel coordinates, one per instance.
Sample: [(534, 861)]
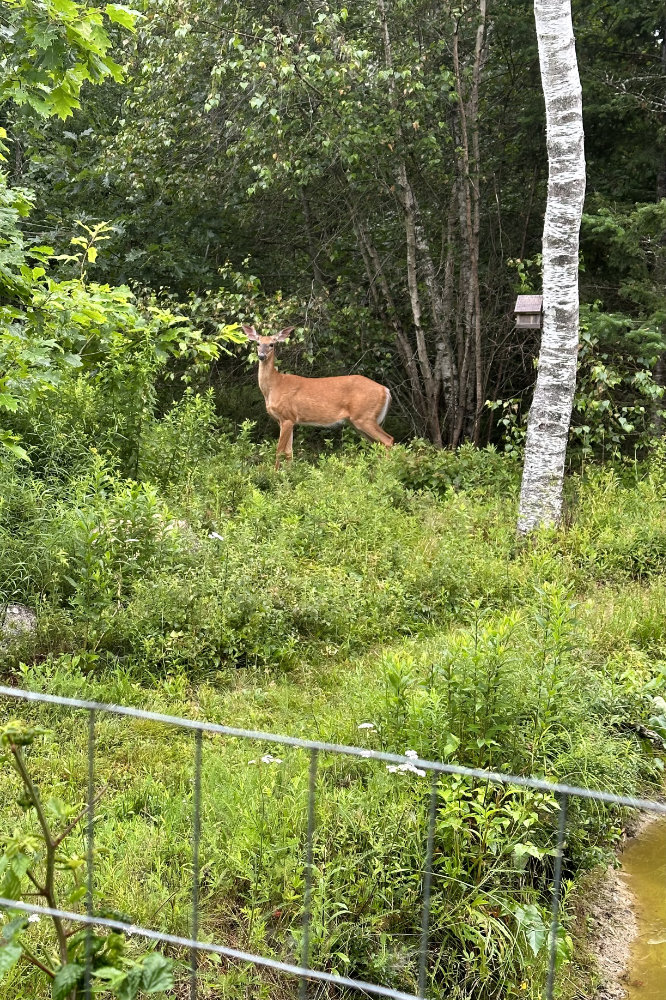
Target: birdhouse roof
[(529, 303)]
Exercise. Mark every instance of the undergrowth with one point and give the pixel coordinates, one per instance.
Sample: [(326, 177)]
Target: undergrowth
[(357, 598)]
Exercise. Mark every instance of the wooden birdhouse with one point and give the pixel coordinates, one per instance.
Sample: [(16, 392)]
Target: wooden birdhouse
[(529, 312)]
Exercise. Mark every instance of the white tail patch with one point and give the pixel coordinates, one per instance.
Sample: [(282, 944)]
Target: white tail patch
[(384, 410)]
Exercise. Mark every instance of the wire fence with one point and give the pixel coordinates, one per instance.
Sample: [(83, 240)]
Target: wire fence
[(303, 971)]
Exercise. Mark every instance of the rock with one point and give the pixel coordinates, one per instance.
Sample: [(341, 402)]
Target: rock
[(16, 620)]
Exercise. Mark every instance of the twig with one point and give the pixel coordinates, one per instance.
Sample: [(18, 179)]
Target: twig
[(40, 888), (35, 961), (68, 829), (49, 885)]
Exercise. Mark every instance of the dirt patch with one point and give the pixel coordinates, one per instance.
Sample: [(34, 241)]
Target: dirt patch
[(611, 927)]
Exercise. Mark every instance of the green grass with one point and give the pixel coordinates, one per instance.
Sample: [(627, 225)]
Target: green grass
[(353, 589)]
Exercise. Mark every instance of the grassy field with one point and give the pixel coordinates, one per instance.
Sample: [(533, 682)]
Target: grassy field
[(349, 590)]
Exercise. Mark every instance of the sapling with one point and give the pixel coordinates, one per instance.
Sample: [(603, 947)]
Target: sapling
[(37, 865)]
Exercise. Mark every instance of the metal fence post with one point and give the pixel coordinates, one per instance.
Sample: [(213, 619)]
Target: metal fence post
[(196, 874), (427, 884), (90, 848), (555, 906), (309, 854)]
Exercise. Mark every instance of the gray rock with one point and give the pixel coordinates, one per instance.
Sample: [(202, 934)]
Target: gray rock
[(15, 620)]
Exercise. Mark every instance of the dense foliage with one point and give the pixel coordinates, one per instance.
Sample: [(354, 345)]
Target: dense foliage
[(374, 175), (343, 592), (380, 169)]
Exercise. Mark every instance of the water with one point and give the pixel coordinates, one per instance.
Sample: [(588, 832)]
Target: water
[(644, 868)]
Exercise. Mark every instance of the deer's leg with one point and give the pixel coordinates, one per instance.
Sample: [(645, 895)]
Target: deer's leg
[(285, 444), (371, 429)]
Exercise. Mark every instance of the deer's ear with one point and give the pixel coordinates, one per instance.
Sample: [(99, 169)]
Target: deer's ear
[(284, 334), (250, 333)]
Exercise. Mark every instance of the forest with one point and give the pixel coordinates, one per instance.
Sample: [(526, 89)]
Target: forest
[(374, 176)]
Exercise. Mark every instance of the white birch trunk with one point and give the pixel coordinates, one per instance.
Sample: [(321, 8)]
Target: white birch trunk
[(550, 414)]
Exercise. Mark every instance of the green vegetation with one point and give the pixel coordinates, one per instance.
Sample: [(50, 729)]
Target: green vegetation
[(343, 590), (37, 859), (264, 154), (373, 175)]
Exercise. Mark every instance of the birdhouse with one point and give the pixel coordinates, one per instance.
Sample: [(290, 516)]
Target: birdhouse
[(529, 312)]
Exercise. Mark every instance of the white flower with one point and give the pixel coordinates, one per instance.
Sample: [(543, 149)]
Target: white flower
[(393, 768), (252, 762), (214, 534), (366, 753), (366, 725), (269, 759), (413, 770), (412, 754), (34, 918)]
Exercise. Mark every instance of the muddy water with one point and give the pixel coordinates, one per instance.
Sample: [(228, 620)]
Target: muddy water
[(644, 871)]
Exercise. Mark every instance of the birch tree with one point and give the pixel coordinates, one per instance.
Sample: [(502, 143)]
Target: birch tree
[(550, 414)]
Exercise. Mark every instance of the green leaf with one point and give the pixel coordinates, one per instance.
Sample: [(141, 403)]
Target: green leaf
[(21, 734), (531, 922), (563, 948), (92, 254), (11, 886), (66, 7), (15, 449), (77, 894), (122, 15), (8, 402), (9, 956), (129, 987), (521, 850), (14, 874), (66, 979), (157, 973), (14, 927), (62, 103), (73, 360)]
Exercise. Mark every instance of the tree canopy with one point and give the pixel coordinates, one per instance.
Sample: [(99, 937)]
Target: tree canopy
[(374, 173)]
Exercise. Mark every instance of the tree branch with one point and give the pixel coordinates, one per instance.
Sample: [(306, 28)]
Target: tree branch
[(35, 961), (68, 829)]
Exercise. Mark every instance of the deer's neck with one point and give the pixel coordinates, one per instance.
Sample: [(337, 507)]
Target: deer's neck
[(267, 375)]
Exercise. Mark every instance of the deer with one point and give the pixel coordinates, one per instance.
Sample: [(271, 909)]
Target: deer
[(317, 402)]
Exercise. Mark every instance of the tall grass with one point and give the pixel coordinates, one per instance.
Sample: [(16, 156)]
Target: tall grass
[(354, 589)]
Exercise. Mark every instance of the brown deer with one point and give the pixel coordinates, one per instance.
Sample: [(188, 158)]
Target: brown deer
[(317, 402)]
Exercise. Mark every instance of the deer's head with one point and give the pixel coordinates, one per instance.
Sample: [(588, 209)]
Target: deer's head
[(266, 345)]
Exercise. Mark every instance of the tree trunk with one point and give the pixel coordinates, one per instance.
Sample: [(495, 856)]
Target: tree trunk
[(550, 414), (385, 306), (318, 278), (468, 166), (413, 237)]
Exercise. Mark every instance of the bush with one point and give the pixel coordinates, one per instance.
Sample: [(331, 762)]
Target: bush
[(355, 588)]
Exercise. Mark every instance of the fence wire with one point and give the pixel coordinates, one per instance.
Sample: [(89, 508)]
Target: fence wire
[(303, 971)]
